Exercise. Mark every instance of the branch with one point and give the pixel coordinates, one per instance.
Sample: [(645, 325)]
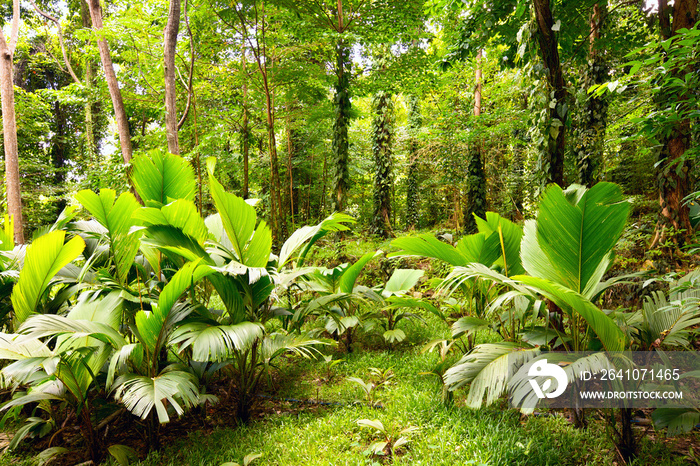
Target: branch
[(14, 29), (60, 40)]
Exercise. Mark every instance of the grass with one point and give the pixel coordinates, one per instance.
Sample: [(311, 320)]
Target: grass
[(298, 434), (291, 433)]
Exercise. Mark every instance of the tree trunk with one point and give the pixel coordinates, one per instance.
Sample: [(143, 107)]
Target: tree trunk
[(381, 146), (245, 130), (477, 87), (476, 177), (591, 134), (169, 50), (291, 153), (553, 166), (674, 172), (7, 95), (112, 83), (412, 193), (341, 145), (59, 154), (275, 198)]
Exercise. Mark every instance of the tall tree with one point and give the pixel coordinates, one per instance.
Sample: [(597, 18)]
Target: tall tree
[(382, 132), (253, 26), (476, 176), (674, 169), (111, 78), (593, 119), (415, 121), (9, 124), (340, 17), (169, 49), (553, 166), (343, 107)]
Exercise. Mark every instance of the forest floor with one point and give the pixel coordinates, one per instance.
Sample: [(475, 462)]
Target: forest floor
[(290, 426), (308, 412)]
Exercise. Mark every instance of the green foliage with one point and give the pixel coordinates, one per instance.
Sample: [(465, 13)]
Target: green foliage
[(44, 259)]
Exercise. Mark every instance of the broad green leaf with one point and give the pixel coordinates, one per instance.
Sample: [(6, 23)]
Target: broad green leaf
[(426, 245), (308, 235), (468, 325), (123, 455), (488, 368), (347, 281), (181, 214), (44, 325), (115, 216), (237, 216), (509, 236), (45, 257), (576, 238), (678, 420), (401, 281), (188, 275), (394, 336), (480, 248), (372, 424), (162, 178), (15, 347), (610, 335), (172, 240)]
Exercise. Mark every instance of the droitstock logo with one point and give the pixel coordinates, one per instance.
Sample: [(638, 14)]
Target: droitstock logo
[(543, 369)]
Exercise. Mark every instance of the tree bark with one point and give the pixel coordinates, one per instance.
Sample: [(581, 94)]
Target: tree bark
[(554, 166), (90, 143), (476, 177), (477, 87), (341, 146), (111, 78), (169, 48), (590, 138), (674, 173), (412, 193), (276, 200), (7, 95), (382, 134), (245, 130)]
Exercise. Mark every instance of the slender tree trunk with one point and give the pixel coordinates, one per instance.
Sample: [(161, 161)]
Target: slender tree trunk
[(341, 145), (308, 189), (323, 184), (382, 133), (245, 130), (591, 134), (111, 78), (275, 198), (290, 166), (412, 193), (9, 125), (476, 177), (674, 172), (169, 50), (477, 87), (59, 155), (553, 166)]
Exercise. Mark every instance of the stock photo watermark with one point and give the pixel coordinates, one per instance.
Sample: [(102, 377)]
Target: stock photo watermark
[(608, 380)]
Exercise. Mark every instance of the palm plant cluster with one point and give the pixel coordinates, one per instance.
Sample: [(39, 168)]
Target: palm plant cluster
[(145, 303), (539, 287), (124, 309)]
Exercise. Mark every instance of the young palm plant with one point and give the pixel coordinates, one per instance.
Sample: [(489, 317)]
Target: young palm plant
[(231, 251)]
